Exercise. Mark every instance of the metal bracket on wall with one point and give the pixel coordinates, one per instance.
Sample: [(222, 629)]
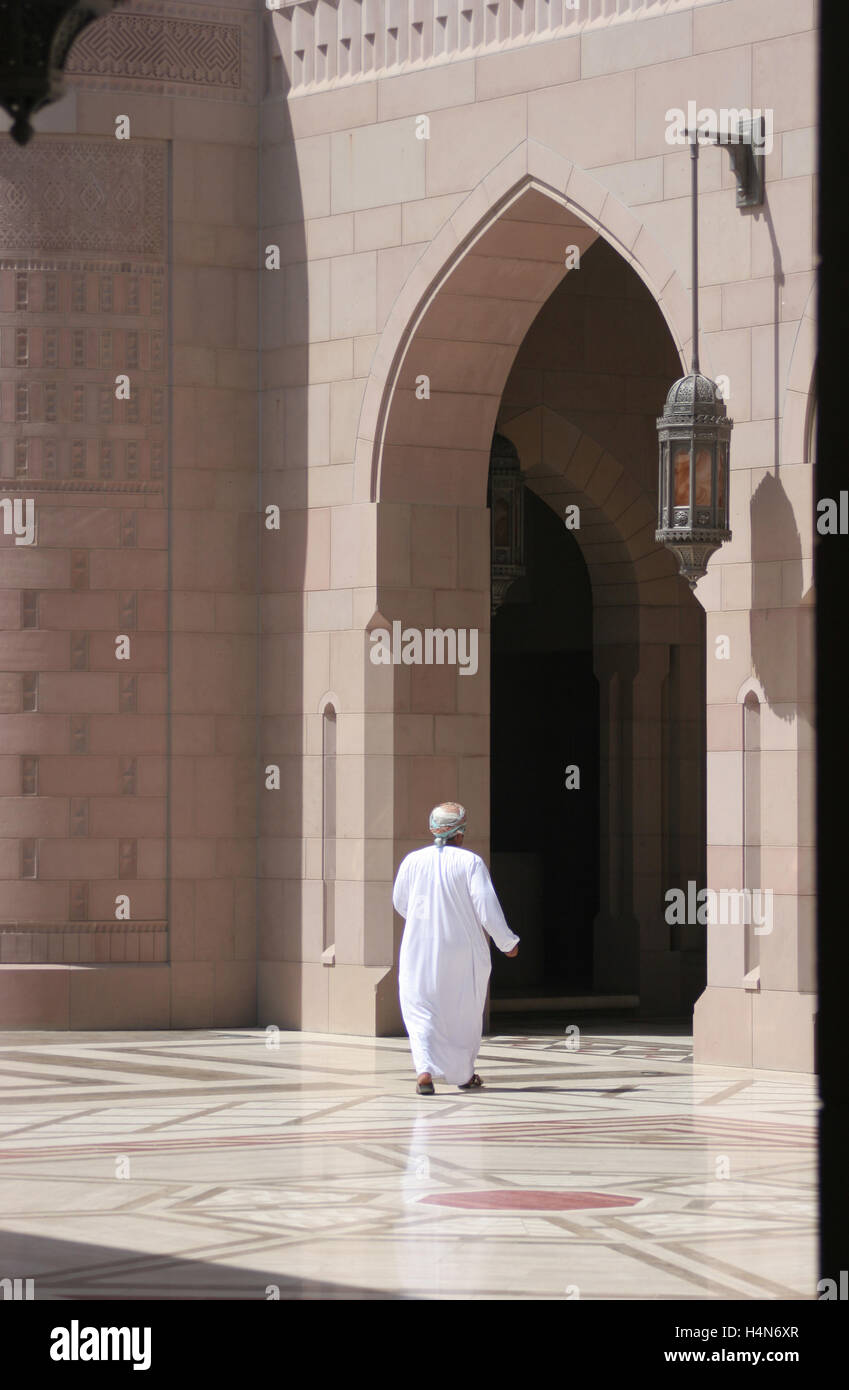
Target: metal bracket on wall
[(745, 146)]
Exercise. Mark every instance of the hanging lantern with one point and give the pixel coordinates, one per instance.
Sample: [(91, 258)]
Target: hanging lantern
[(694, 432), (36, 37), (507, 517)]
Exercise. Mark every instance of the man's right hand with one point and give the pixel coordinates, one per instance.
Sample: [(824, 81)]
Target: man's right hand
[(514, 952)]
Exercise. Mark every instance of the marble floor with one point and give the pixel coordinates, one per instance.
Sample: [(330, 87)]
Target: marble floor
[(244, 1164)]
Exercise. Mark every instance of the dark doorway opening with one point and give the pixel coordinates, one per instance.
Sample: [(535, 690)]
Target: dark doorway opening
[(545, 720)]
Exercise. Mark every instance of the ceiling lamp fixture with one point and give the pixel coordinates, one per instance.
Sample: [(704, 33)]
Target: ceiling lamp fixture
[(36, 37)]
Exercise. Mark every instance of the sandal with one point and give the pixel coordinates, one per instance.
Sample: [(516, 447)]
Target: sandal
[(424, 1088), (473, 1085)]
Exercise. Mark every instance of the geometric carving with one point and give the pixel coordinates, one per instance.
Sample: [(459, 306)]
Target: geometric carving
[(127, 694), (314, 41), (56, 194), (78, 907), (29, 602), (79, 569), (55, 942), (79, 815), (95, 459), (129, 611), (112, 928), (156, 49), (79, 733), (79, 485), (79, 651), (83, 237), (127, 858)]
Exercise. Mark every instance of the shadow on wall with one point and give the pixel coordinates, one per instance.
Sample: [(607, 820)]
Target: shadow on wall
[(779, 619), (781, 615), (601, 355)]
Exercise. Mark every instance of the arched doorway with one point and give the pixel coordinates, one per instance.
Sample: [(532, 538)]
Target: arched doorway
[(545, 765), (464, 368)]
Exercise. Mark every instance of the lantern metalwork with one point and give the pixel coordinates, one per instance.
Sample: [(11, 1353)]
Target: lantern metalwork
[(36, 37), (694, 432), (507, 518)]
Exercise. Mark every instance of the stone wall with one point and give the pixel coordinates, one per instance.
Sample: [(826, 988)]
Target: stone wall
[(132, 778), (387, 179), (392, 205)]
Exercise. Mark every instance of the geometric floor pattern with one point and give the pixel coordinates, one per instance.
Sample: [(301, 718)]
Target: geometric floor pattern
[(235, 1164)]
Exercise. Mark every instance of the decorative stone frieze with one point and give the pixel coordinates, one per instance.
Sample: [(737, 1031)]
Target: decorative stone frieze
[(323, 43), (172, 49)]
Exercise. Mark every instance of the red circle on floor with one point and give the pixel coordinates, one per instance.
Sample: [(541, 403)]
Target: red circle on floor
[(526, 1199)]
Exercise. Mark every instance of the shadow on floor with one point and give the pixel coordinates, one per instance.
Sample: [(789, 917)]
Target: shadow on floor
[(76, 1272)]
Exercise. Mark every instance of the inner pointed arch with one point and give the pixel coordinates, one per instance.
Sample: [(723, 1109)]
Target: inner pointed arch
[(460, 344)]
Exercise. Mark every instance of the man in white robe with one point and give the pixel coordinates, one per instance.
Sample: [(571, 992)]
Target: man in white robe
[(451, 909)]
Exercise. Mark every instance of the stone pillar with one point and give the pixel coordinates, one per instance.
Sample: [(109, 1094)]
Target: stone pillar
[(684, 795), (659, 980), (636, 950), (784, 1004), (615, 931), (759, 1004), (435, 573)]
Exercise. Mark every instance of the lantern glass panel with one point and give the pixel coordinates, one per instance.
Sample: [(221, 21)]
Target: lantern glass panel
[(501, 524), (682, 475), (721, 463), (703, 479)]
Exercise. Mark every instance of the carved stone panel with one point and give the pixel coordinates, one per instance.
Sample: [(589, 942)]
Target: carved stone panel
[(169, 48), (84, 305)]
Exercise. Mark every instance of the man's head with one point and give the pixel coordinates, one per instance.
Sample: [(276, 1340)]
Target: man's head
[(448, 823)]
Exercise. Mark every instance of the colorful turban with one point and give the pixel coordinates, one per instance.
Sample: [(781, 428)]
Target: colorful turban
[(446, 821)]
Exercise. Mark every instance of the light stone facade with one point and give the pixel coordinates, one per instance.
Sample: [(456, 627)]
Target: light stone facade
[(402, 257)]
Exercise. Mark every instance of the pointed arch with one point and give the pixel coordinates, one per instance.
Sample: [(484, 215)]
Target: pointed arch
[(565, 196), (752, 686)]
